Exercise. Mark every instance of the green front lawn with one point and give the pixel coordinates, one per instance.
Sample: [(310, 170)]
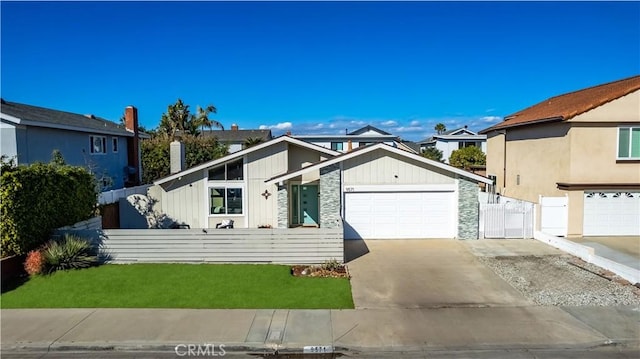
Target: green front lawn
[(180, 286)]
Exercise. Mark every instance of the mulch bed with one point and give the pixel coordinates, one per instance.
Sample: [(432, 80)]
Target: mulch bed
[(319, 271)]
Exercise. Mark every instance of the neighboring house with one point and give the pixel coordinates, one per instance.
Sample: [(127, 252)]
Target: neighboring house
[(379, 190), (236, 139), (584, 145), (110, 151), (367, 135), (449, 141)]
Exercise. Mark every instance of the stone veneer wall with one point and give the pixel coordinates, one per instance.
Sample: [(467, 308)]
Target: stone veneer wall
[(468, 209), (330, 197), (283, 207)]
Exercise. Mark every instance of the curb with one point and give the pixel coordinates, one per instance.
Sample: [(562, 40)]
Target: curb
[(261, 348)]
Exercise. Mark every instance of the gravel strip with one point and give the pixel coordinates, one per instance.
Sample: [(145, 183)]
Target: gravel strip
[(553, 280)]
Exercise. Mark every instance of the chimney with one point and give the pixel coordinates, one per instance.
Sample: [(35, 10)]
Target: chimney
[(133, 145), (288, 133), (234, 127), (349, 146), (176, 156)]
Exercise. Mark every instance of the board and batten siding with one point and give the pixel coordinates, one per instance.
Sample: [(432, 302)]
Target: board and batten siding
[(380, 167), (184, 199), (284, 246), (262, 165)]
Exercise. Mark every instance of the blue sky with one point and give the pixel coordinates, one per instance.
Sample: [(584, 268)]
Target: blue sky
[(314, 67)]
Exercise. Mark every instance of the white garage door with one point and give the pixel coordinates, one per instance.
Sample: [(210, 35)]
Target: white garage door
[(388, 215), (611, 213)]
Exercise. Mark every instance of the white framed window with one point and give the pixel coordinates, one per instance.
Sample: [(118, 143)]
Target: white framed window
[(629, 143), (230, 171), (98, 144), (226, 200), (114, 144), (337, 146)]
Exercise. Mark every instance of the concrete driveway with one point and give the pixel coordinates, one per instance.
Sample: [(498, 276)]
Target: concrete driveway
[(424, 274)]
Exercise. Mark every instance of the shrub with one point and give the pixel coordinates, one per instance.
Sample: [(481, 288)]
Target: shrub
[(331, 265), (38, 198), (71, 252), (35, 262), (468, 156)]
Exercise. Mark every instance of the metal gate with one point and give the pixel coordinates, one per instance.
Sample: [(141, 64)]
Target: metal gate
[(512, 219)]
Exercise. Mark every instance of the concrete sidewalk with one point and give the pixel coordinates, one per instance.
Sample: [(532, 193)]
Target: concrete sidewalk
[(367, 330)]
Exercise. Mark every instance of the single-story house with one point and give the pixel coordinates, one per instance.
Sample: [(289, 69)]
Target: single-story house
[(237, 139), (375, 192)]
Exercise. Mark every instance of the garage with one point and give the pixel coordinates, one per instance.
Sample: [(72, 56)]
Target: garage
[(388, 215), (611, 213)]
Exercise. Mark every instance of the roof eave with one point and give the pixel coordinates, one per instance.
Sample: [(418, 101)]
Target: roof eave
[(367, 149), (527, 123), (245, 151)]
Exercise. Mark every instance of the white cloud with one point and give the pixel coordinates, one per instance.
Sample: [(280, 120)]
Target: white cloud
[(414, 123), (389, 123), (491, 118), (279, 126)]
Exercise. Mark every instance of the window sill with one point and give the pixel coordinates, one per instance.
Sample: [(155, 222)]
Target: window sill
[(628, 161)]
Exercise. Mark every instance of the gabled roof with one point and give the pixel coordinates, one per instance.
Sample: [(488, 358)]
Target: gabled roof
[(379, 146), (28, 115), (366, 129), (232, 156), (569, 105), (462, 133), (238, 135)]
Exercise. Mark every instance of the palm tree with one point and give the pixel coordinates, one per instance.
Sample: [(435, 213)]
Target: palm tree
[(252, 141), (440, 128), (175, 120), (179, 120), (201, 119)]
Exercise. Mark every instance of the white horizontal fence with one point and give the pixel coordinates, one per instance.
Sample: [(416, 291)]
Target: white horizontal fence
[(115, 195), (285, 246)]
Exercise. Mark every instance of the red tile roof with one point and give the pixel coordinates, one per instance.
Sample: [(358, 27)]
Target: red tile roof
[(569, 105)]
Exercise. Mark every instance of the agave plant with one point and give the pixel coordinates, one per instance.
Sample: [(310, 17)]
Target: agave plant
[(72, 252)]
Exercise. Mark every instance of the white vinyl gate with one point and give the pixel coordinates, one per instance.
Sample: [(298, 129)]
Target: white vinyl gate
[(554, 215), (513, 219)]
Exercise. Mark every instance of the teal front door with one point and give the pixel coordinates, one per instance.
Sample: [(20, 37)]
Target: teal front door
[(309, 205)]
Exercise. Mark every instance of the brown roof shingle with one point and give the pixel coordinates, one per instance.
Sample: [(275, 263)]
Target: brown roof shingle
[(569, 105)]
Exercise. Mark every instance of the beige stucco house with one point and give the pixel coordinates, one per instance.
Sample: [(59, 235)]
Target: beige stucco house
[(376, 191), (584, 145)]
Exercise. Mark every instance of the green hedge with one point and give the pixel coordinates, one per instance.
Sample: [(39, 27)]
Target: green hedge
[(38, 198)]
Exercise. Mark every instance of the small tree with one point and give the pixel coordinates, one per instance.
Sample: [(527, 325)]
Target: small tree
[(156, 159), (432, 153), (467, 157), (440, 128)]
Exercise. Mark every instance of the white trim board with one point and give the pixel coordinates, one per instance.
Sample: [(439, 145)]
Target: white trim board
[(401, 188)]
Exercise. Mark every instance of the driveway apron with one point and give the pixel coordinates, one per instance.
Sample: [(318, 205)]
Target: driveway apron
[(425, 274)]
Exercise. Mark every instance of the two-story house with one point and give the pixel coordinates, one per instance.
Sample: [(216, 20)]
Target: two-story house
[(367, 135), (109, 150), (584, 145), (452, 140)]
